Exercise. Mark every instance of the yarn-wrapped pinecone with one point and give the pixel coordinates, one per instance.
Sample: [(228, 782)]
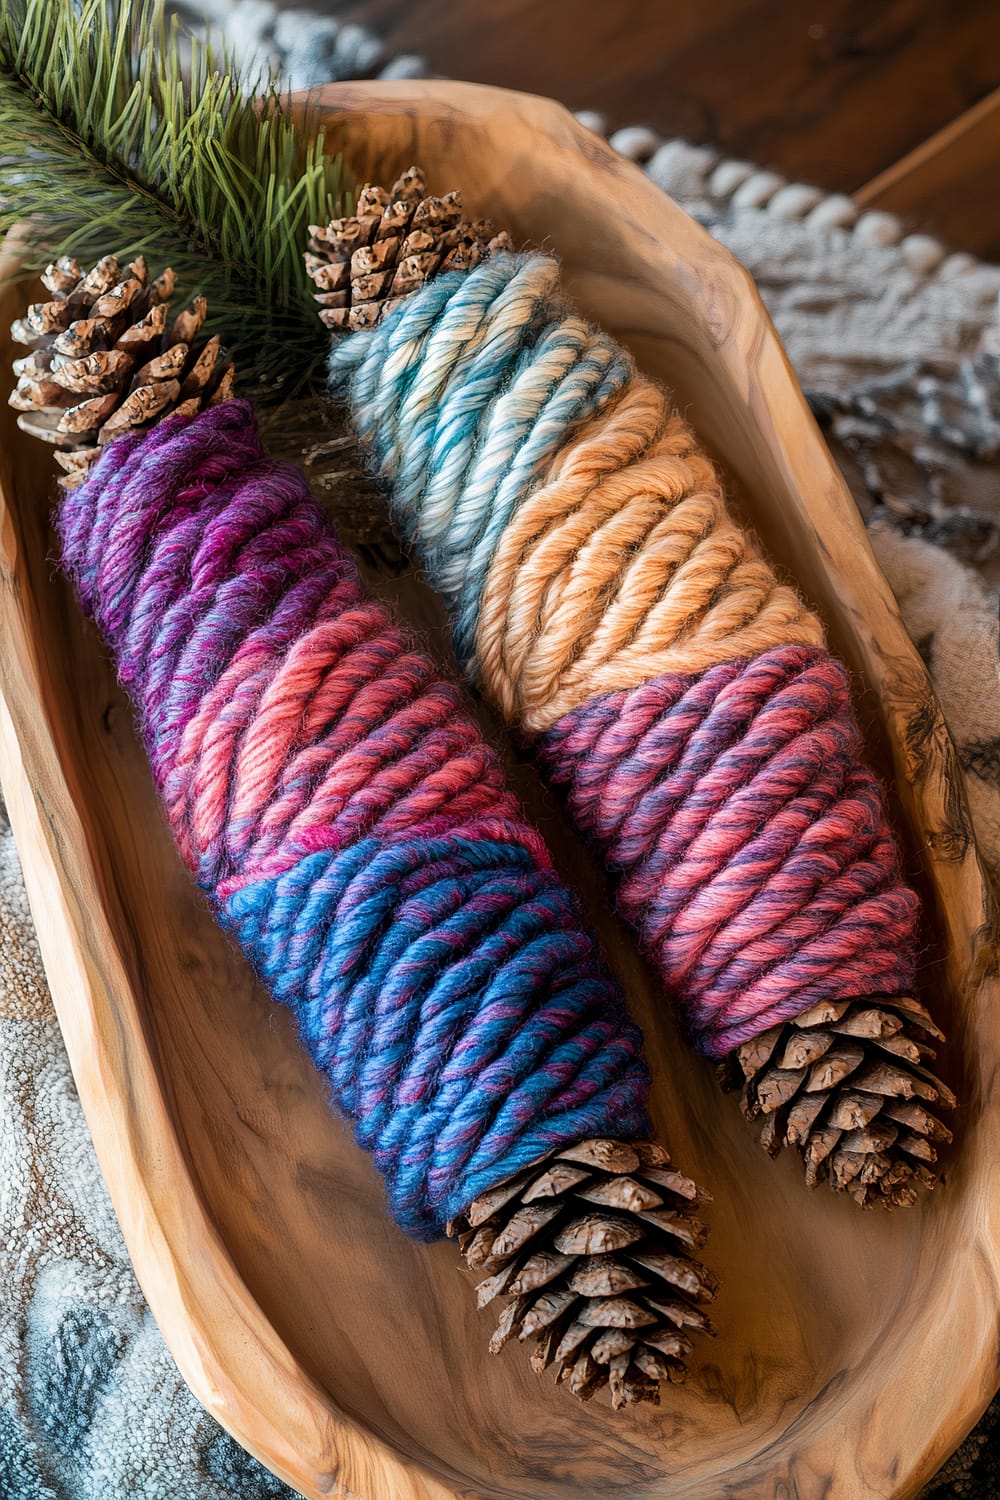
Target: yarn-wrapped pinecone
[(106, 358), (630, 738), (593, 1244), (365, 264), (848, 1085)]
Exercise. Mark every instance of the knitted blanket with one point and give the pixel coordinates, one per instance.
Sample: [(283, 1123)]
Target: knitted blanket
[(895, 340)]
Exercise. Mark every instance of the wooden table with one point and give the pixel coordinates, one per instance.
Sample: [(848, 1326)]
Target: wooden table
[(897, 101)]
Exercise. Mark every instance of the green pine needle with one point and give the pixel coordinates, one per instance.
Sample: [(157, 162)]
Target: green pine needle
[(109, 145)]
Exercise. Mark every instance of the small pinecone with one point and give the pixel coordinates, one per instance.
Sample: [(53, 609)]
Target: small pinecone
[(593, 1243), (847, 1084), (397, 240), (106, 359)]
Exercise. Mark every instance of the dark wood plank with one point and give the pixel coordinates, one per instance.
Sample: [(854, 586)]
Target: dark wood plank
[(948, 185), (833, 92)]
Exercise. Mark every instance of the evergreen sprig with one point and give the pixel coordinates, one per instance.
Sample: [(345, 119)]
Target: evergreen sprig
[(115, 139)]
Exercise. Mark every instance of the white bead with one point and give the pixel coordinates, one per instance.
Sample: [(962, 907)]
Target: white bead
[(363, 50), (728, 176), (987, 282), (877, 228), (957, 265), (592, 119), (636, 142), (794, 201), (758, 190), (922, 252), (406, 65), (680, 168), (838, 211)]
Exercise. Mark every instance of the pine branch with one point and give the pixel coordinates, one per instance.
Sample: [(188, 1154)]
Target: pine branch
[(109, 144)]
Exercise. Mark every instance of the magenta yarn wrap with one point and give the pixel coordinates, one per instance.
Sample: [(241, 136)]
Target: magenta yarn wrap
[(350, 825), (749, 837)]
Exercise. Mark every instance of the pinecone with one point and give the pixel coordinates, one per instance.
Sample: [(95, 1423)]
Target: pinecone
[(397, 240), (106, 360), (847, 1084), (593, 1243)]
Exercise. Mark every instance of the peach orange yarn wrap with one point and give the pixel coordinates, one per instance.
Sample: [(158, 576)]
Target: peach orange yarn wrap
[(622, 564)]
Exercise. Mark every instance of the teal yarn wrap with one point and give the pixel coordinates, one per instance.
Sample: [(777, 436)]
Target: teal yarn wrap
[(458, 441)]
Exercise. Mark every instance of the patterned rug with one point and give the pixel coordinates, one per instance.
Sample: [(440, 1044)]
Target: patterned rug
[(896, 342)]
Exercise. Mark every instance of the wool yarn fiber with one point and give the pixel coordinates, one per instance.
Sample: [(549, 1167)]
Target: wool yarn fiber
[(675, 689), (348, 822)]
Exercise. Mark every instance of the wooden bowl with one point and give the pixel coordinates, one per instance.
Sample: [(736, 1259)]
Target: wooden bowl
[(855, 1350)]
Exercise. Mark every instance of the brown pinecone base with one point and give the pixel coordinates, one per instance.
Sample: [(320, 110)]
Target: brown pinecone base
[(848, 1085), (106, 358), (594, 1245), (365, 264)]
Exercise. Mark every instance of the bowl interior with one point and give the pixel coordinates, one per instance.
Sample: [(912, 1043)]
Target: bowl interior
[(853, 1349)]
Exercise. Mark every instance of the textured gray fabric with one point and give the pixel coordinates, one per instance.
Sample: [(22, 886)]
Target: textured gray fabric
[(896, 343)]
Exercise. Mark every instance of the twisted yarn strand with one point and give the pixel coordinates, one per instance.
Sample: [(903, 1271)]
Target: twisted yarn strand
[(621, 564), (613, 610), (459, 442), (350, 825), (751, 839)]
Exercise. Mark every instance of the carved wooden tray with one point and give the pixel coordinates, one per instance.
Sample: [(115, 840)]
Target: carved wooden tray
[(854, 1350)]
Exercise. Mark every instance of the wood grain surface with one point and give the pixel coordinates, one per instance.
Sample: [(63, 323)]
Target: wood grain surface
[(854, 1350), (837, 93), (832, 92), (949, 180)]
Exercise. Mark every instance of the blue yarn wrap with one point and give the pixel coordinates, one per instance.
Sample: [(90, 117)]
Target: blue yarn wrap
[(464, 1026)]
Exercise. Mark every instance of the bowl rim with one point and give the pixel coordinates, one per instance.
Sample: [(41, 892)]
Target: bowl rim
[(312, 1442)]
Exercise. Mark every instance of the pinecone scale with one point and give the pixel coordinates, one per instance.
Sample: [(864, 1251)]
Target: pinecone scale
[(365, 264), (849, 1085), (594, 1246)]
